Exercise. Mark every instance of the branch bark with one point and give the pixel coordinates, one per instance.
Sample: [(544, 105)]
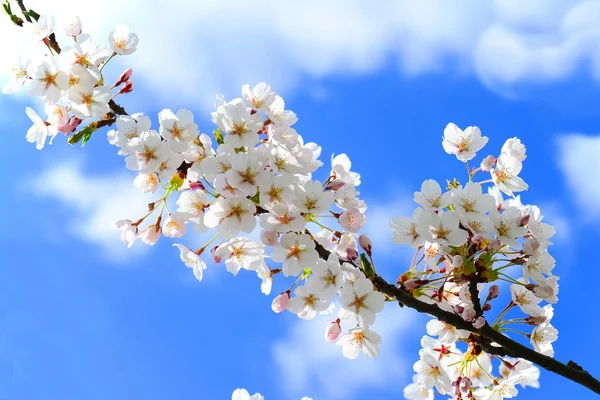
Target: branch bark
[(507, 346)]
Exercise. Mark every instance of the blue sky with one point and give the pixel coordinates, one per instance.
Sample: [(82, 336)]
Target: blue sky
[(84, 318)]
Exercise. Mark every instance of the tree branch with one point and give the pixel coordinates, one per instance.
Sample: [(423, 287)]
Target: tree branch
[(508, 347)]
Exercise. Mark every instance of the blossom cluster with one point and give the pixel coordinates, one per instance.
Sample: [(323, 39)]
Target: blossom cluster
[(464, 240), (249, 186)]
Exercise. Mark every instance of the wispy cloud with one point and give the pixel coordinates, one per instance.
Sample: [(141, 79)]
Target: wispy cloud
[(309, 366), (93, 202), (230, 43)]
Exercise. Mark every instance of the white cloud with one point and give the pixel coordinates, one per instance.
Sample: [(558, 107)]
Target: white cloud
[(309, 366), (93, 203), (191, 50), (578, 159)]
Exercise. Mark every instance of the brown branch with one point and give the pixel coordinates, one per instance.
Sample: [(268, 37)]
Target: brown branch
[(508, 347)]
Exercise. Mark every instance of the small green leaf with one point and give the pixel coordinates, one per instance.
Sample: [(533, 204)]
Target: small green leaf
[(83, 135), (367, 267), (218, 136)]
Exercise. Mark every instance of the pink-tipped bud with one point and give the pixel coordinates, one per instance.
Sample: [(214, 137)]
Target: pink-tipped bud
[(477, 238), (468, 314), (269, 238), (543, 291), (280, 302), (533, 320), (494, 245), (488, 163), (457, 261), (124, 77), (465, 384), (213, 253), (351, 254), (412, 283), (524, 220), (70, 126), (531, 246), (479, 322), (365, 243), (494, 292), (332, 331), (127, 88), (196, 185), (335, 185)]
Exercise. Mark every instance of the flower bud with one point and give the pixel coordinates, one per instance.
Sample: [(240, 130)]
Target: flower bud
[(487, 307), (351, 254), (70, 126), (332, 331), (531, 246), (73, 27), (477, 238), (150, 235), (147, 183), (280, 302), (365, 243), (524, 220), (488, 163), (457, 261), (213, 253), (335, 185), (412, 283), (127, 88), (494, 292), (468, 314), (197, 185), (535, 320), (465, 384), (269, 238), (479, 322), (124, 77), (543, 291)]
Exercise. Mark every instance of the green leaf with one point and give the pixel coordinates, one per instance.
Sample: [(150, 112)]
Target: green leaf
[(83, 135), (367, 267), (218, 136)]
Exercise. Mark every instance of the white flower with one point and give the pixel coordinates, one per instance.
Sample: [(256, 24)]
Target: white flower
[(360, 302), (442, 229), (240, 126), (230, 216), (470, 202), (264, 273), (240, 252), (18, 75), (260, 97), (191, 260), (47, 80), (242, 394), (505, 176), (279, 116), (523, 372), (128, 127), (84, 53), (404, 230), (360, 339), (89, 103), (129, 232), (446, 332), (178, 129), (431, 198), (307, 302), (147, 152), (544, 263), (340, 170), (39, 130), (58, 115), (525, 299), (464, 144), (192, 205), (122, 41), (72, 26), (547, 289), (150, 234), (414, 391), (36, 31), (513, 148), (247, 172), (327, 276), (283, 218), (310, 197), (540, 230), (277, 190), (431, 373), (295, 252), (81, 79), (352, 220), (146, 182), (174, 226), (508, 225), (504, 389)]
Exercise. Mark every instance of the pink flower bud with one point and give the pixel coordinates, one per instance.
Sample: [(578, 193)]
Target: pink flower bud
[(533, 320), (365, 243), (332, 331), (531, 246), (127, 88), (70, 126), (543, 291), (479, 322), (351, 254), (196, 185), (487, 164), (457, 261), (215, 257), (269, 238), (525, 220), (487, 307), (335, 185), (412, 283), (494, 292), (468, 314), (124, 77), (477, 238), (280, 302), (465, 384)]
